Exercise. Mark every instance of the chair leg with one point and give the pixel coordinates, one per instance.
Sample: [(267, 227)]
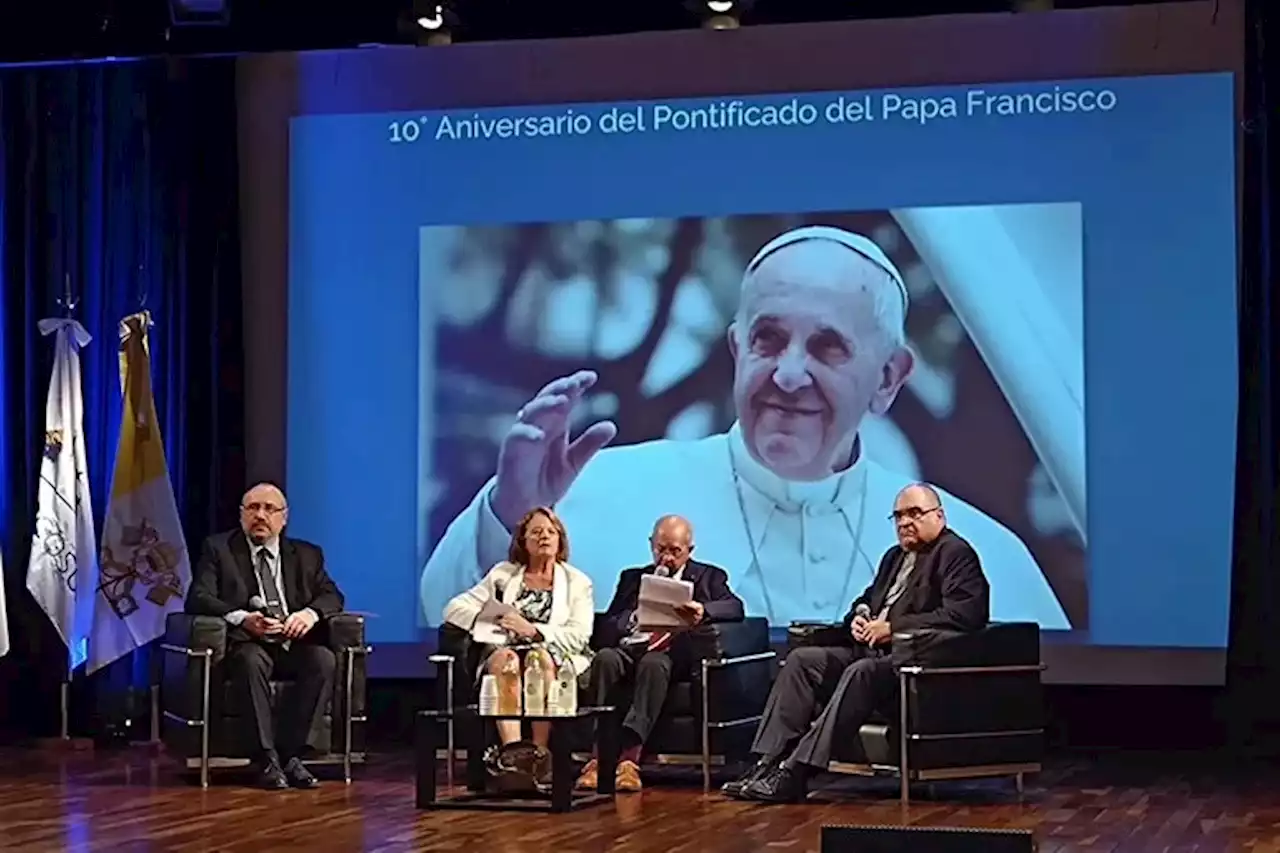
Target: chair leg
[(448, 764), (1019, 782), (706, 728), (349, 716), (904, 741), (155, 714), (204, 718)]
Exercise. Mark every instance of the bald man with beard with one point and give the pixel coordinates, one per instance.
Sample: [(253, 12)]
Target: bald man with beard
[(274, 593), (635, 670)]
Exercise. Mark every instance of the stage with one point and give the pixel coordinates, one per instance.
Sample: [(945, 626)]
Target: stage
[(130, 801)]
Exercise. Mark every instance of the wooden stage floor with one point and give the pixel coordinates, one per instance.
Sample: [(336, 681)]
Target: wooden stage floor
[(132, 801)]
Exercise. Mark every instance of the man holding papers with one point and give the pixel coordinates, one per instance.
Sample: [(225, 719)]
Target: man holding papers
[(651, 608)]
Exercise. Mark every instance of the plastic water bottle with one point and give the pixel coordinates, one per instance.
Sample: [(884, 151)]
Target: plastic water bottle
[(488, 694), (563, 698), (537, 672)]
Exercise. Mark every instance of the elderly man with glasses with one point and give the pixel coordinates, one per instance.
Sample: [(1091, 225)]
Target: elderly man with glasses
[(931, 579), (273, 591)]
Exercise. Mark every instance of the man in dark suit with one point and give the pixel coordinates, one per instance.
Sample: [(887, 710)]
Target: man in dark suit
[(275, 593), (636, 665), (931, 579)]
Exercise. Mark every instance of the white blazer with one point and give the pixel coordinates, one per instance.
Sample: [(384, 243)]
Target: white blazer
[(568, 632)]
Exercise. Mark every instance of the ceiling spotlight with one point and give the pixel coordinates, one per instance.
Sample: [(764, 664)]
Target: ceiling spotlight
[(719, 14), (431, 22), (199, 12)]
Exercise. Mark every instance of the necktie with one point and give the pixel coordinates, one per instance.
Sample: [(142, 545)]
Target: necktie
[(270, 590), (899, 583), (659, 642)]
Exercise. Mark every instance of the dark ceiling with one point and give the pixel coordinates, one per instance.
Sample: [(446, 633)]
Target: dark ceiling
[(44, 30)]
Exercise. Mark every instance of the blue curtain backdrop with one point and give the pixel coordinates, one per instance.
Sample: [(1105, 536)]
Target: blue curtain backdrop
[(121, 177), (1254, 659)]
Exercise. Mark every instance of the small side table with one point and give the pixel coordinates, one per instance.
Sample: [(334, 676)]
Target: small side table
[(427, 740)]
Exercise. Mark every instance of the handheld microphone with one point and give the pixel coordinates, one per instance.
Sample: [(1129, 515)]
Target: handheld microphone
[(661, 571), (258, 604), (862, 610)]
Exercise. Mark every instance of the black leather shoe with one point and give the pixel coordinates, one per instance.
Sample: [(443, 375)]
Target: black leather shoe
[(781, 785), (273, 778), (299, 776), (756, 771)]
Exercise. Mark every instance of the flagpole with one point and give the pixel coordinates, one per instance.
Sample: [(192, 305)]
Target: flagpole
[(65, 703), (68, 303)]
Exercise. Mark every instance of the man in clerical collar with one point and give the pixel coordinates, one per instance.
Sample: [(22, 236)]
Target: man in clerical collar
[(786, 497), (931, 579)]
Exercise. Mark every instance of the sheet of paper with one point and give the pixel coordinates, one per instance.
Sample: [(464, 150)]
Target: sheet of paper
[(658, 599), (485, 629)]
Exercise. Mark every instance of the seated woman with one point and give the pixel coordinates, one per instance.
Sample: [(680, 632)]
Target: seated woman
[(554, 606)]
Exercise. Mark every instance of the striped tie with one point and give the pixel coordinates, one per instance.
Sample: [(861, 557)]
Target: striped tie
[(659, 642)]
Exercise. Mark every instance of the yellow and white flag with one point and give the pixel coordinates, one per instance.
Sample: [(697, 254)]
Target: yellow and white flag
[(144, 570), (62, 574)]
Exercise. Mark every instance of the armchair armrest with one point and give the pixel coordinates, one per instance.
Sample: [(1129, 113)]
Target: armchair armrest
[(193, 648), (455, 661), (718, 663), (345, 636), (1006, 647), (736, 665), (194, 635), (723, 640), (346, 631), (991, 683)]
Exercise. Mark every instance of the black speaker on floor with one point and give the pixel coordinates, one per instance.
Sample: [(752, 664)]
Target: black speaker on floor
[(919, 839)]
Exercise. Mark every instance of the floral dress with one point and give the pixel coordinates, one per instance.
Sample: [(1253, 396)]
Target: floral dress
[(534, 605)]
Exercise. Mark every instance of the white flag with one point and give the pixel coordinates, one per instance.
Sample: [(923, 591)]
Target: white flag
[(4, 614), (62, 574), (144, 569)]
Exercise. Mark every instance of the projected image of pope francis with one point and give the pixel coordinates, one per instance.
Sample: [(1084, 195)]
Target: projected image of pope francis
[(786, 499)]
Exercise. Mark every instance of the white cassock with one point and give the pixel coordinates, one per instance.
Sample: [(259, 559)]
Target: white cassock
[(793, 550)]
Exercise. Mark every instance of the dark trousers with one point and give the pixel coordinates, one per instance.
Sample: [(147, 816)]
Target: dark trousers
[(310, 666), (821, 695), (631, 678)]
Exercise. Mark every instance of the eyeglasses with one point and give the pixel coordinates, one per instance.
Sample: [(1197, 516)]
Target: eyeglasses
[(913, 513), (269, 509), (673, 550)]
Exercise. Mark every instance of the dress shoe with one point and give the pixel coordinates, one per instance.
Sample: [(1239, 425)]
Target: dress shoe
[(272, 777), (298, 775), (627, 778), (783, 784), (589, 778), (756, 771)]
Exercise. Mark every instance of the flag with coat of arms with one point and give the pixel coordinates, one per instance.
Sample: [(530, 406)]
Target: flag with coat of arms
[(62, 571), (144, 568)]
